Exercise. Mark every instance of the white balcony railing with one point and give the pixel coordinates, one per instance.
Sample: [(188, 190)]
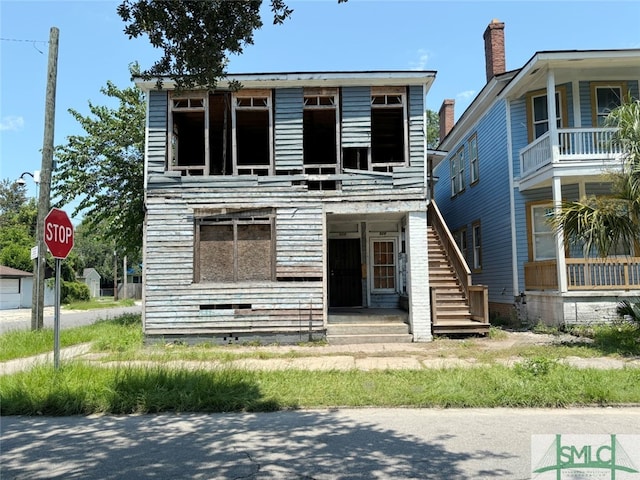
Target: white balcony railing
[(574, 144)]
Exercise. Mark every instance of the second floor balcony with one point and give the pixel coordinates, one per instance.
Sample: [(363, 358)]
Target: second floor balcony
[(578, 152)]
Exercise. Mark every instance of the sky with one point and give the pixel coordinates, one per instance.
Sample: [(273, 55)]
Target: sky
[(321, 35)]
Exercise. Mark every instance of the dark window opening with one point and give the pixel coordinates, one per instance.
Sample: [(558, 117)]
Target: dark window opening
[(252, 137), (319, 142), (322, 185), (220, 134), (355, 158), (188, 139), (387, 136)]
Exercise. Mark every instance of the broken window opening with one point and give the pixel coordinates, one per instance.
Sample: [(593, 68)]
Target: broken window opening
[(356, 158), (320, 139), (252, 125), (187, 140), (220, 134), (387, 131)]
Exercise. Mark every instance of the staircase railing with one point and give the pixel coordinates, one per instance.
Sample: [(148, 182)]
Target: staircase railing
[(477, 296), (454, 254)]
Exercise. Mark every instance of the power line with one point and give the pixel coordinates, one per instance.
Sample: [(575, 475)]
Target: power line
[(32, 42)]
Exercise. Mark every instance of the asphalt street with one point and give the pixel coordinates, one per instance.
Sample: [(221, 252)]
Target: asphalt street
[(307, 444), (20, 319)]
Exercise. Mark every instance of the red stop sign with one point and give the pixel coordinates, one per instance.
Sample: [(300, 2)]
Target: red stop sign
[(58, 233)]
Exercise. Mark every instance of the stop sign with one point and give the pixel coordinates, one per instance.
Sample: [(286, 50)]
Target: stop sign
[(58, 233)]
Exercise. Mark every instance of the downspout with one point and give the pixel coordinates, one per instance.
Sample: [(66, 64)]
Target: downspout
[(426, 173)]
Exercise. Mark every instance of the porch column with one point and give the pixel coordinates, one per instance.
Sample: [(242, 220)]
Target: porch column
[(552, 115), (561, 264), (418, 276)]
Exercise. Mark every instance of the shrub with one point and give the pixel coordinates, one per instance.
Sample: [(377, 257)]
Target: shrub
[(74, 292)]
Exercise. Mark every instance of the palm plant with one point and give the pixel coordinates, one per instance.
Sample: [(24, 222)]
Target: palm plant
[(607, 222)]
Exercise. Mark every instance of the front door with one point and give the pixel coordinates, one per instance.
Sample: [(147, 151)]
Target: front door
[(345, 273)]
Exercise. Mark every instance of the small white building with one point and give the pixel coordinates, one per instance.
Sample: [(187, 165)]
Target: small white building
[(16, 289), (91, 278)]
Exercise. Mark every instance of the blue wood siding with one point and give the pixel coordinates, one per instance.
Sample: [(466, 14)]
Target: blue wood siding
[(486, 201), (157, 135), (288, 129), (356, 116)]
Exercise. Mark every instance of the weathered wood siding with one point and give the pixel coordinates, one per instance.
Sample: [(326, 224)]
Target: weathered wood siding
[(356, 117), (417, 129), (175, 303), (157, 132), (288, 129)]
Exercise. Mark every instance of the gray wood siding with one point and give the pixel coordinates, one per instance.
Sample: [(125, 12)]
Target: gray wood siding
[(417, 130), (157, 134), (288, 129), (299, 242), (356, 117)]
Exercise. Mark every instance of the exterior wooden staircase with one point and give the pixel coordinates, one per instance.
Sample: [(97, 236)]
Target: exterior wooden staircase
[(457, 306)]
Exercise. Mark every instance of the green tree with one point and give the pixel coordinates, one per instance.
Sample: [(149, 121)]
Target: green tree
[(104, 168), (17, 226), (433, 129), (606, 222), (196, 37)]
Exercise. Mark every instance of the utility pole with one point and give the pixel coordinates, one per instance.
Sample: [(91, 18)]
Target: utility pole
[(44, 198)]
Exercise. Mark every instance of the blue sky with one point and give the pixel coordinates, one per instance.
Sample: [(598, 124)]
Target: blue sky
[(445, 36)]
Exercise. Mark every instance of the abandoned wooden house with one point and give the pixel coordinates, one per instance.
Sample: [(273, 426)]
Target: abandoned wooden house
[(298, 208)]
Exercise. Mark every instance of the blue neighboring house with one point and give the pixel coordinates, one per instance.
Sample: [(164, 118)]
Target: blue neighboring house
[(507, 167)]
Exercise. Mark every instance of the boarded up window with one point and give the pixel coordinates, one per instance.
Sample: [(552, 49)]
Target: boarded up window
[(216, 253), (234, 249)]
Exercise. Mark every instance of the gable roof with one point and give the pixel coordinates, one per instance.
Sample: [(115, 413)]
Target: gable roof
[(8, 272)]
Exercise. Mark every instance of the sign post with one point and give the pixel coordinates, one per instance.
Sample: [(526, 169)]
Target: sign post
[(58, 235)]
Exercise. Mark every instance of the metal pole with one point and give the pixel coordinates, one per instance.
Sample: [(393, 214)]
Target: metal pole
[(56, 320), (44, 197)]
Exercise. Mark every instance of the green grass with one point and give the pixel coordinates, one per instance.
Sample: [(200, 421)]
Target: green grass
[(104, 302), (82, 389), (120, 334)]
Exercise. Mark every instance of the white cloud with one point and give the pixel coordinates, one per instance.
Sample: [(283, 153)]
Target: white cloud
[(11, 123), (421, 62), (466, 95)]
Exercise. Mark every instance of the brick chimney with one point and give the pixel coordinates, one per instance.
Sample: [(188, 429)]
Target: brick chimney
[(494, 49), (446, 117)]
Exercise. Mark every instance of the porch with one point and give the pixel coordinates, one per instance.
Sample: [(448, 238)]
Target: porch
[(585, 274), (579, 151)]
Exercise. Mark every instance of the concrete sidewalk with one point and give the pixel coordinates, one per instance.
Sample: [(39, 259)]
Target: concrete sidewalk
[(373, 356)]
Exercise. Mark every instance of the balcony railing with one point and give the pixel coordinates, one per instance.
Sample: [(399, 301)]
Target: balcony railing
[(574, 144), (621, 273)]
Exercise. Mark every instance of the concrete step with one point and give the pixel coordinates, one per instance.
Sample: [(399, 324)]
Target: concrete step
[(371, 338), (367, 328)]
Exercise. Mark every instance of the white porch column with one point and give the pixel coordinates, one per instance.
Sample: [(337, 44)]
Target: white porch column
[(561, 262), (418, 276), (552, 115)]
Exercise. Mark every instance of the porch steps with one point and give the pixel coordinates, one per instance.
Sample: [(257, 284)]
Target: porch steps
[(453, 314), (362, 325)]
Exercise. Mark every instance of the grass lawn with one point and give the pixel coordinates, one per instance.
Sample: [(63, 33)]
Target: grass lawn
[(539, 379)]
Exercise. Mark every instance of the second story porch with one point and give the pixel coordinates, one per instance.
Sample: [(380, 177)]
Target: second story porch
[(578, 152)]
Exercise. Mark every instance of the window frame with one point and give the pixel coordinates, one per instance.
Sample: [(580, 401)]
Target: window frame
[(382, 239), (597, 86), (474, 174), (184, 103), (476, 245), (259, 100), (389, 98), (456, 172), (460, 237), (561, 110), (235, 219), (323, 99)]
